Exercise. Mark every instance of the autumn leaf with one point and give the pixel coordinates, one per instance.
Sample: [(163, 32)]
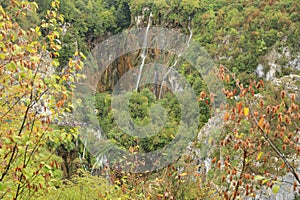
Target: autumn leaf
[(226, 116), (60, 103), (183, 174), (239, 106), (261, 122), (246, 111), (259, 155), (228, 78)]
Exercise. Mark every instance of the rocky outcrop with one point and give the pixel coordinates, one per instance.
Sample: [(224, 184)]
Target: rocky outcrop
[(290, 82), (277, 63)]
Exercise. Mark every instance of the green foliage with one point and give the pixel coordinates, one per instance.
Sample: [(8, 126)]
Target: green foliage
[(139, 108), (122, 13), (83, 186), (84, 23)]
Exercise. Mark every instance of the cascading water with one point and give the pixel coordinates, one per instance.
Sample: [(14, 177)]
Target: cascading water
[(175, 63), (82, 157), (99, 165), (144, 52), (191, 33)]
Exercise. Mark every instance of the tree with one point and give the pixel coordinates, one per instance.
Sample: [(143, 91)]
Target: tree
[(260, 139), (34, 94)]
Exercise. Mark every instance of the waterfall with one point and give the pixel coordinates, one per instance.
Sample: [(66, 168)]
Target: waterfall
[(155, 88), (84, 149), (143, 55), (101, 162), (81, 157), (179, 55)]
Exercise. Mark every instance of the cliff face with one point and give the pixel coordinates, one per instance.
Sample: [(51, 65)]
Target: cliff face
[(134, 60)]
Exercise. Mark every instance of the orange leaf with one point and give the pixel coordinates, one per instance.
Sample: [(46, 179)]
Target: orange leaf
[(226, 116), (202, 95), (261, 122), (227, 78), (293, 97), (261, 102), (60, 103), (239, 106), (226, 196)]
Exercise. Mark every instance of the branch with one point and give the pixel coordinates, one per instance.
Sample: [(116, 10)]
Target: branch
[(243, 170), (278, 152), (15, 147), (10, 109)]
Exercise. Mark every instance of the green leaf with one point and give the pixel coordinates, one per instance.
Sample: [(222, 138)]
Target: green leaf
[(1, 186), (30, 48), (275, 189), (17, 51), (82, 55), (35, 58), (48, 167), (11, 66), (258, 177)]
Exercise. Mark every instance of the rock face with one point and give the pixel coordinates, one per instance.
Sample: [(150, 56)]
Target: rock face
[(278, 63), (260, 71), (131, 61), (285, 192), (290, 82)]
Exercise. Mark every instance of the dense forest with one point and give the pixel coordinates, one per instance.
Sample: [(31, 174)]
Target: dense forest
[(159, 99)]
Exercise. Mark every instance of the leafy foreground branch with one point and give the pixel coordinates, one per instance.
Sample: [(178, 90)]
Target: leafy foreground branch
[(35, 91), (260, 138)]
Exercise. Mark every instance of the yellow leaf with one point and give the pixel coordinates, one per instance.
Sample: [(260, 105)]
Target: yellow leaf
[(131, 149), (183, 174), (2, 56), (37, 29), (210, 141), (259, 155), (246, 111), (1, 10)]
